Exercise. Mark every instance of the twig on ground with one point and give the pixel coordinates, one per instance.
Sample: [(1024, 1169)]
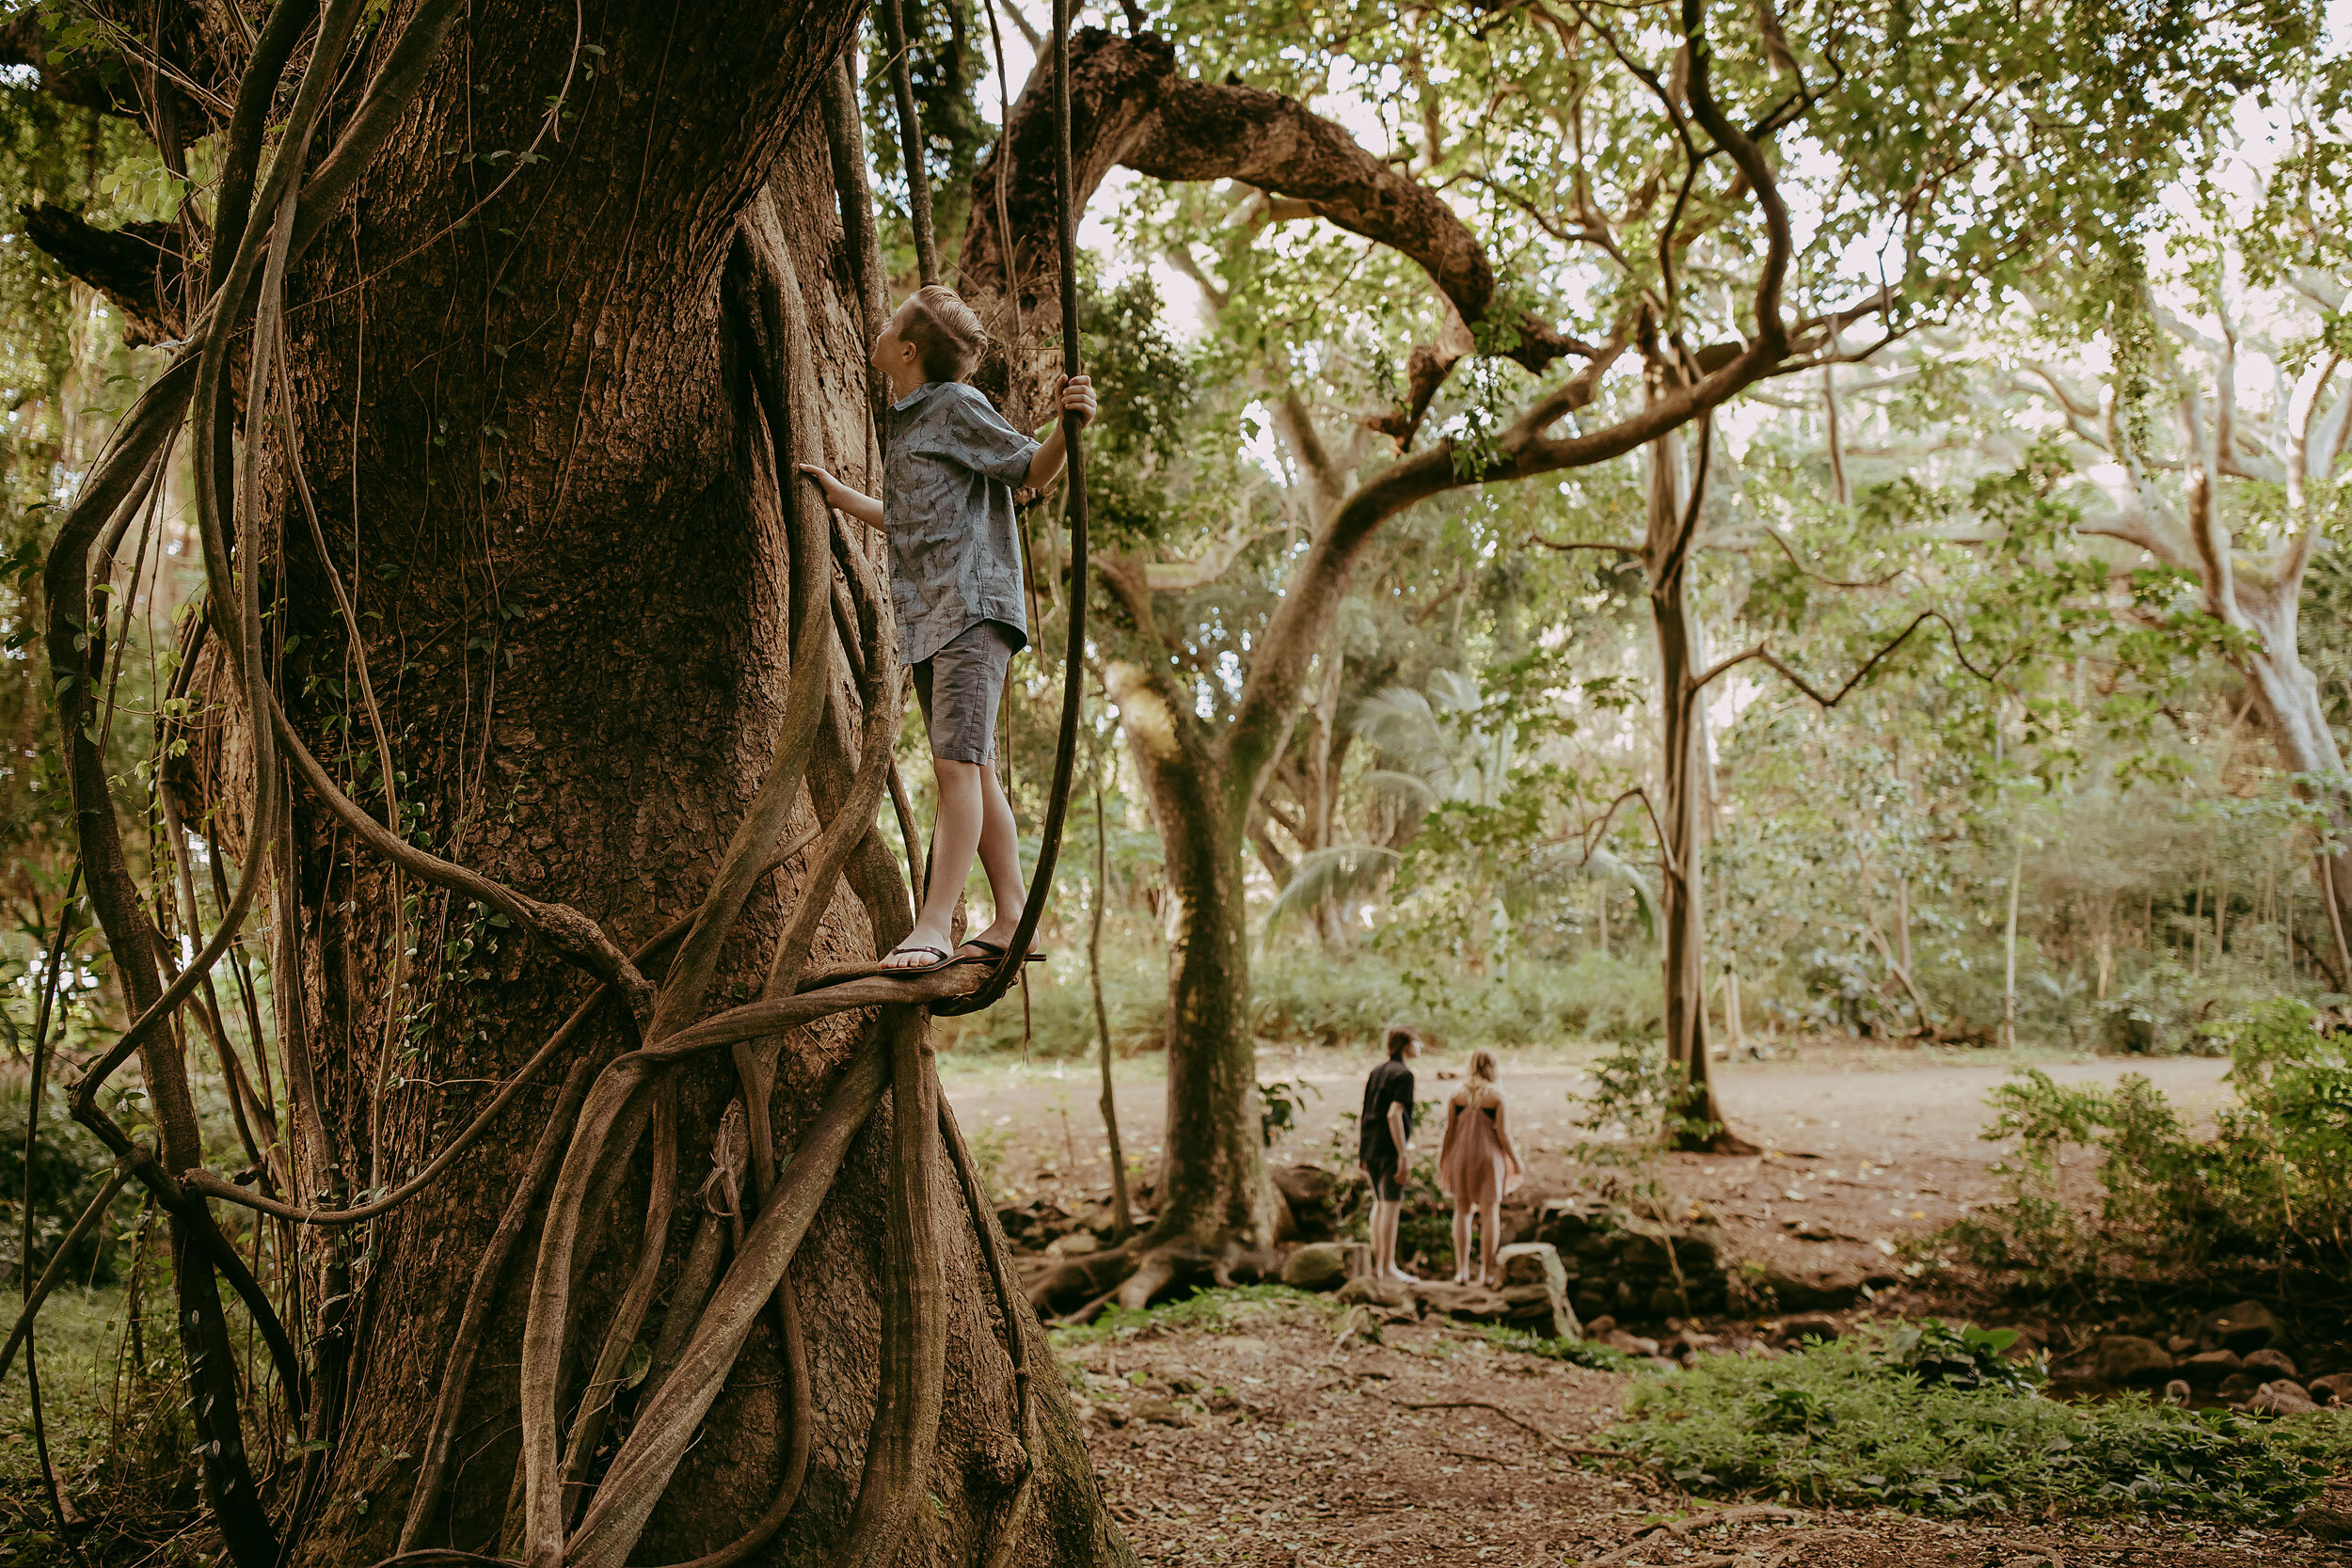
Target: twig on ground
[(1738, 1514), (1579, 1450)]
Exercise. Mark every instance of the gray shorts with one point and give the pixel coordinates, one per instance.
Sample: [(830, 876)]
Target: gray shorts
[(959, 686)]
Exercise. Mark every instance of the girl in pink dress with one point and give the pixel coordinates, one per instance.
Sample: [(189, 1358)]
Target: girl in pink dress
[(1477, 1164)]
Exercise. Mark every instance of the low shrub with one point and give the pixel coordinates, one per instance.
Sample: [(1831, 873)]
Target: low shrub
[(2273, 1184), (1302, 995), (1869, 1421)]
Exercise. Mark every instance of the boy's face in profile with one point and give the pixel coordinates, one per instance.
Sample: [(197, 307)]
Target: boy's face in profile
[(893, 355)]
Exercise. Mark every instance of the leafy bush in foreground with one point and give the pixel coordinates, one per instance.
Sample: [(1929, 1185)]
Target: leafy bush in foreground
[(1844, 1423), (2272, 1183)]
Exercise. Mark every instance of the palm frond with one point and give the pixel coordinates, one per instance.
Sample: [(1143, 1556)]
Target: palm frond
[(1393, 780), (1338, 872), (1605, 866), (1454, 691)]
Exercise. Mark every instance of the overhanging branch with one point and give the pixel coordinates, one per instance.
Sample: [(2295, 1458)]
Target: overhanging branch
[(1131, 106), (1762, 654), (137, 267)]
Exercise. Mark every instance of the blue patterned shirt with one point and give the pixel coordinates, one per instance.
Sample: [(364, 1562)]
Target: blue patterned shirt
[(948, 467)]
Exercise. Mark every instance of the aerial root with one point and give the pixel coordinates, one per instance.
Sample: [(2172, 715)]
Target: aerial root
[(457, 1371), (908, 1400), (801, 1415), (1008, 1302), (604, 1381), (667, 1421)]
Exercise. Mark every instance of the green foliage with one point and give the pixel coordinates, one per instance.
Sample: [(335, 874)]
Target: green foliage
[(2272, 1184), (1424, 1225), (1859, 1422), (1150, 393), (1574, 1352), (1639, 1103), (1961, 1356), (1311, 997), (950, 68), (1282, 1106), (69, 1170)]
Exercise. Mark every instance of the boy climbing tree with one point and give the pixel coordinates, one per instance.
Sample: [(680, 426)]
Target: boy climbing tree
[(950, 463)]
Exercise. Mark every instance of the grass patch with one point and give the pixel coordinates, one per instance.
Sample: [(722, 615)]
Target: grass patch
[(76, 1332), (1576, 1353), (1850, 1424), (1218, 1310)]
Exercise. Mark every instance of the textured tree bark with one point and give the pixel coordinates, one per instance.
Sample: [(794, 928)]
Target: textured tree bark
[(543, 471)]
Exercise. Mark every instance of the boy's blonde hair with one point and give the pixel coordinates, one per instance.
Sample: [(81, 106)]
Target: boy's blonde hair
[(946, 332)]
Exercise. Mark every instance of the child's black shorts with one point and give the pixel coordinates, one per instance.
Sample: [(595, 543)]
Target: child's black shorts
[(959, 686)]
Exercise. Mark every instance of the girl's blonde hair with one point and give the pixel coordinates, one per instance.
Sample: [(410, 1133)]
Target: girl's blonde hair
[(1484, 1067)]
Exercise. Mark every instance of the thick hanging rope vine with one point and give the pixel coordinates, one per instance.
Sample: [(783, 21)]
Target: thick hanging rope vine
[(1073, 667)]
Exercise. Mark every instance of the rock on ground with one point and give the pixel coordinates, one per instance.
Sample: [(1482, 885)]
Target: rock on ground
[(2126, 1360), (2247, 1326), (2282, 1397), (2271, 1362), (1325, 1265)]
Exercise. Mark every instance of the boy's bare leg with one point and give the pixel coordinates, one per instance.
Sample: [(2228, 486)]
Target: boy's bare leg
[(1000, 857), (961, 794)]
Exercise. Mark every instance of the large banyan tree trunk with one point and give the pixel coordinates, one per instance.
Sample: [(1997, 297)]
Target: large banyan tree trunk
[(545, 368)]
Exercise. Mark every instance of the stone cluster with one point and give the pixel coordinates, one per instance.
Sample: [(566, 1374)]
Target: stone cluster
[(1534, 1294), (1631, 1269), (2237, 1356)]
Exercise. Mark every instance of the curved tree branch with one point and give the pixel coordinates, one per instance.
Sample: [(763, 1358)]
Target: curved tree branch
[(1132, 106), (138, 267)]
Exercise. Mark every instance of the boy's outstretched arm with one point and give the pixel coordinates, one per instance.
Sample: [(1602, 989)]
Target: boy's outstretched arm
[(864, 508), (1076, 397)]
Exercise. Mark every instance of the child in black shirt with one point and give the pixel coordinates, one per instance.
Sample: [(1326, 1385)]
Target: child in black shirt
[(1385, 1146)]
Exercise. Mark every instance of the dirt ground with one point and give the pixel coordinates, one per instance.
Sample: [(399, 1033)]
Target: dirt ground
[(1268, 1443)]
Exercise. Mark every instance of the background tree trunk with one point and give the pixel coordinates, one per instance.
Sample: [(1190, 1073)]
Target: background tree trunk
[(1215, 1197), (544, 474), (2287, 697), (1682, 762)]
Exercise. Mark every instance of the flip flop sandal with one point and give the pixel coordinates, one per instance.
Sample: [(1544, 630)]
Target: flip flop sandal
[(990, 952), (943, 960)]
